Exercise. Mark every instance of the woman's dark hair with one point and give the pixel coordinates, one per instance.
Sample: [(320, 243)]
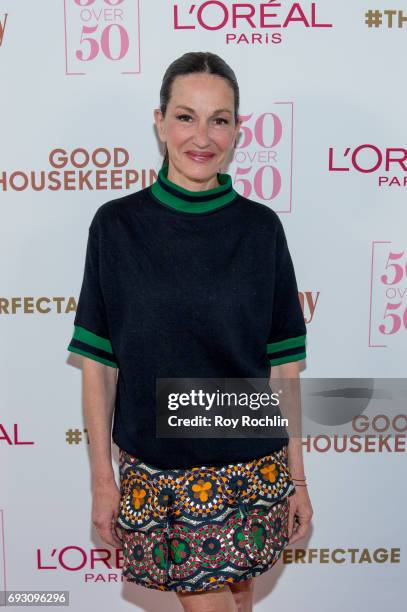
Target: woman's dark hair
[(196, 61)]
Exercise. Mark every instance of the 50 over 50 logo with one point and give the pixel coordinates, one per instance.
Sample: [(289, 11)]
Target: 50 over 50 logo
[(102, 34), (262, 160), (388, 294)]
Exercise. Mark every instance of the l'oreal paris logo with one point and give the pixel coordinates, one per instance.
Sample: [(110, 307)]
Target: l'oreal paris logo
[(248, 22), (388, 164)]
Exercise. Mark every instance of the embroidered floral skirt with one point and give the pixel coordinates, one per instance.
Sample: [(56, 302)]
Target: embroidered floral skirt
[(205, 527)]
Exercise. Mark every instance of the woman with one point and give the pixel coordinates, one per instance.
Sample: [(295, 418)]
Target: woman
[(187, 278)]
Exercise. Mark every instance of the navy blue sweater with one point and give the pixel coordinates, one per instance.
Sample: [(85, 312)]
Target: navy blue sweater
[(180, 283)]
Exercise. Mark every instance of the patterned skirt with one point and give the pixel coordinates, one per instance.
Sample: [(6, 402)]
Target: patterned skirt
[(202, 528)]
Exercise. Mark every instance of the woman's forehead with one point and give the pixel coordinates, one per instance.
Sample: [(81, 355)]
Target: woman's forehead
[(193, 87)]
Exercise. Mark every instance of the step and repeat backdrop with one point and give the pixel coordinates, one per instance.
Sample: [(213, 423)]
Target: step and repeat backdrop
[(323, 143)]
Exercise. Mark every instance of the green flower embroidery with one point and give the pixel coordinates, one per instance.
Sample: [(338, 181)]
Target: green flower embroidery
[(258, 536), (240, 537), (159, 556), (178, 550)]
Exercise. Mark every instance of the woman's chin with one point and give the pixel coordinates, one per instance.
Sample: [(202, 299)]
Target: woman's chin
[(201, 170)]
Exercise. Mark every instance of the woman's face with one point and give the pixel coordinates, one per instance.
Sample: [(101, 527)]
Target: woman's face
[(198, 128)]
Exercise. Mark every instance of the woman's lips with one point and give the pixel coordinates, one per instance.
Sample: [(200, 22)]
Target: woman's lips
[(200, 157)]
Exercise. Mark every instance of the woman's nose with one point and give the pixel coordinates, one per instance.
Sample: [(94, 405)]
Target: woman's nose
[(201, 137)]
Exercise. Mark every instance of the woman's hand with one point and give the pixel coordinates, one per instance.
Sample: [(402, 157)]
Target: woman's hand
[(300, 514), (105, 510)]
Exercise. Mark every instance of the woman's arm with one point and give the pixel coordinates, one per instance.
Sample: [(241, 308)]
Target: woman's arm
[(300, 508), (99, 389), (295, 457)]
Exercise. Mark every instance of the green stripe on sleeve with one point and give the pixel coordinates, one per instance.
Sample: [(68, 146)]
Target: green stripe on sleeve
[(274, 347), (84, 335), (74, 349), (287, 359)]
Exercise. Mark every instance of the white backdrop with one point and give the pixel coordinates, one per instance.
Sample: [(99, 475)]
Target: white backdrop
[(324, 107)]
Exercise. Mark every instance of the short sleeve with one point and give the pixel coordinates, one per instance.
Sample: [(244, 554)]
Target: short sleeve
[(287, 337), (91, 336)]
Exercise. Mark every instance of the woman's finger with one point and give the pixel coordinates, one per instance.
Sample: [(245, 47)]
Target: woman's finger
[(106, 535), (118, 531), (302, 527), (291, 515)]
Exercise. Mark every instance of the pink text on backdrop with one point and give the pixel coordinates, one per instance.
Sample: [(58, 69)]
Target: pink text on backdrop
[(370, 159), (102, 34), (262, 159), (248, 22), (388, 294)]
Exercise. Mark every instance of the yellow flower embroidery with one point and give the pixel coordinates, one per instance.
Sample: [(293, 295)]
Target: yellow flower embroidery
[(138, 498), (201, 490), (270, 472)]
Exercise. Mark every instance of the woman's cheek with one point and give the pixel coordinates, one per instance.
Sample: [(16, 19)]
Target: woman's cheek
[(224, 144), (179, 135), (223, 139)]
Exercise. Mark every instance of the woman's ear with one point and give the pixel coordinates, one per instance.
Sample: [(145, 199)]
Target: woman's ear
[(159, 122), (237, 130)]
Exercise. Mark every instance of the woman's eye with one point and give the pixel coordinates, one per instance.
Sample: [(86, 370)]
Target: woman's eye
[(218, 120)]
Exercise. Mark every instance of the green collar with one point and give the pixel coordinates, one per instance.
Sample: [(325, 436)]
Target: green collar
[(185, 200)]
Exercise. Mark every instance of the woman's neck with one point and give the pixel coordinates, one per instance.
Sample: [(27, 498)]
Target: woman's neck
[(191, 184)]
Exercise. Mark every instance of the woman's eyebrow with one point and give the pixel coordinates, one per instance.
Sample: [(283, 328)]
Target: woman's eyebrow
[(191, 110)]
